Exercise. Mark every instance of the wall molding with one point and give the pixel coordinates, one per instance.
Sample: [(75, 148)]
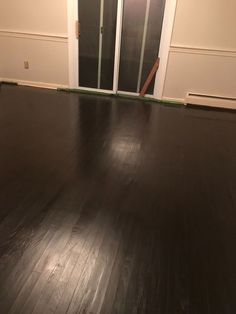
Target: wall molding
[(34, 36), (203, 51), (34, 84)]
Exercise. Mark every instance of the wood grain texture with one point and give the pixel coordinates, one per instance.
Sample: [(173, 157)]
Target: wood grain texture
[(114, 206)]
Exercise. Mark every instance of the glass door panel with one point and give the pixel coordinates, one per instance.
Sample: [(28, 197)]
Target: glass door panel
[(131, 43), (89, 18), (153, 37), (97, 43), (142, 26), (108, 44)]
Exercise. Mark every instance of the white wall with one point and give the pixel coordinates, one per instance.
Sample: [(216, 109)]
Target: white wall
[(34, 31), (202, 57)]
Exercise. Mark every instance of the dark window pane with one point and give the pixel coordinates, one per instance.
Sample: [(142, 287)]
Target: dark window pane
[(108, 43), (132, 39), (89, 17), (153, 39), (131, 43)]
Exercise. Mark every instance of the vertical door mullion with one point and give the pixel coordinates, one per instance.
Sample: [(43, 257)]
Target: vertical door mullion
[(143, 45), (100, 43), (119, 22)]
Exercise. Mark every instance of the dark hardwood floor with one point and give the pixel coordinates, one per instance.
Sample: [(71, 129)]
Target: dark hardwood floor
[(115, 206)]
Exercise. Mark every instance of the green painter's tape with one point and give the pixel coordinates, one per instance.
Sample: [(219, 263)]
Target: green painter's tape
[(150, 99), (146, 99)]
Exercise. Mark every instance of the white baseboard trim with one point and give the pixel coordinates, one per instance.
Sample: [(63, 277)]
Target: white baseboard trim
[(34, 84)]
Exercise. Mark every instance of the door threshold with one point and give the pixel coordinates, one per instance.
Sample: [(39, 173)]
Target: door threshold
[(125, 95), (104, 92), (91, 91)]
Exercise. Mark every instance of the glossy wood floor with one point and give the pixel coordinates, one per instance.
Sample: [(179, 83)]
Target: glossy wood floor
[(115, 206)]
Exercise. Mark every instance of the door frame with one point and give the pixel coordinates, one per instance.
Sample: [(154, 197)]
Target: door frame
[(73, 47), (165, 44)]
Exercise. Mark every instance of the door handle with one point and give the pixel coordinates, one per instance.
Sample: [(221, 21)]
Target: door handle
[(77, 29)]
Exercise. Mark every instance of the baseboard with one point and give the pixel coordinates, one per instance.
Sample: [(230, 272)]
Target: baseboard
[(211, 101), (33, 83)]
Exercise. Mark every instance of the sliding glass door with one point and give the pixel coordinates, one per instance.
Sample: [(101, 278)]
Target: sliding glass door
[(142, 26), (139, 33), (97, 43)]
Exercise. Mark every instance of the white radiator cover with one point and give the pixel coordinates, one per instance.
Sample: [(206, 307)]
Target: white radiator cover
[(210, 100)]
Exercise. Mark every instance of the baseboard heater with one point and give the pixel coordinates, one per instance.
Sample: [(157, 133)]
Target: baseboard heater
[(210, 101)]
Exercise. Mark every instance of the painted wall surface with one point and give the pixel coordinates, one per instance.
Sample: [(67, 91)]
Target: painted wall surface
[(43, 43), (44, 16), (48, 60), (205, 23), (202, 56)]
